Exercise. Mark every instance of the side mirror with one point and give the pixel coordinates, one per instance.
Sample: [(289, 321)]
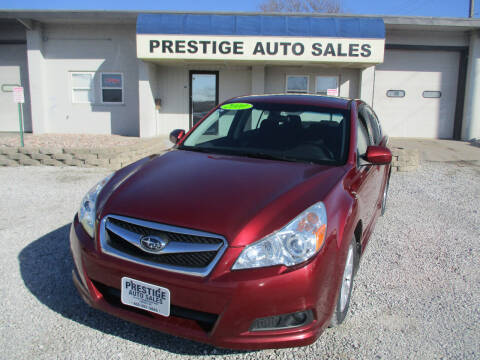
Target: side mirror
[(176, 135), (378, 155)]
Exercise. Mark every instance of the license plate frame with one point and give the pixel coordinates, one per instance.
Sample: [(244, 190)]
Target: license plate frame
[(145, 296)]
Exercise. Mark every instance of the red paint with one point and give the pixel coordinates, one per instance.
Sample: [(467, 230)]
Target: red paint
[(378, 155), (242, 199)]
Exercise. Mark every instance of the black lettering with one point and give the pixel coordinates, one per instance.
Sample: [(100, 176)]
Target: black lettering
[(258, 48), (298, 49), (366, 50), (285, 47), (238, 48), (153, 45), (224, 47), (329, 50), (214, 47), (339, 51), (204, 45), (192, 47), (180, 46), (353, 50), (167, 45), (316, 49), (128, 284), (272, 51)]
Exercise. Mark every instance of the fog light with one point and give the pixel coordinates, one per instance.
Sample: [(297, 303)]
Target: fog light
[(285, 321)]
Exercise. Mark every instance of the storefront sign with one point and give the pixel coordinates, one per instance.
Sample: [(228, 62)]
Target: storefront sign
[(246, 48)]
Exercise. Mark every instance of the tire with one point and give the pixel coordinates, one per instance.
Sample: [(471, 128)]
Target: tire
[(384, 197), (346, 286)]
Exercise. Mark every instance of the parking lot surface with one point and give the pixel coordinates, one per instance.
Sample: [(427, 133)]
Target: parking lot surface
[(416, 296)]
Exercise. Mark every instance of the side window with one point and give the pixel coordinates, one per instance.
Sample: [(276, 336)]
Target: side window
[(82, 87), (363, 140), (297, 84), (112, 88), (374, 127)]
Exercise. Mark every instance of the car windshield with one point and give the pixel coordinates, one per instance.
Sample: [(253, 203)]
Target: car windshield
[(274, 131)]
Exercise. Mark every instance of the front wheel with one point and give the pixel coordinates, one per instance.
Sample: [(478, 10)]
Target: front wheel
[(345, 292)]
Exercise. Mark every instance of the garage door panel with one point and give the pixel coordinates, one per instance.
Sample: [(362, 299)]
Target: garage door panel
[(415, 72)]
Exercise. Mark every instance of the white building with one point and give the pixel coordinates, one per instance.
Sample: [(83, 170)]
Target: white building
[(147, 74)]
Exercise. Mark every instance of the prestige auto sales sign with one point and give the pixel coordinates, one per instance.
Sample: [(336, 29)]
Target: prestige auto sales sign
[(246, 48)]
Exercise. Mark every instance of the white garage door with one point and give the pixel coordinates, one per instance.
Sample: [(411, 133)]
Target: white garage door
[(415, 93)]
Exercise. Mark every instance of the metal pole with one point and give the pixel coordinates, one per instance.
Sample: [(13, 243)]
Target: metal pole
[(472, 8), (20, 120)]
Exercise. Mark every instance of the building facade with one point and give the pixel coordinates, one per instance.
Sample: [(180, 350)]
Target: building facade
[(146, 74)]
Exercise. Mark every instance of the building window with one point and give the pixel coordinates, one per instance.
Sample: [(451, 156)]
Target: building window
[(112, 88), (432, 94), (82, 87), (297, 84), (326, 85), (396, 93)]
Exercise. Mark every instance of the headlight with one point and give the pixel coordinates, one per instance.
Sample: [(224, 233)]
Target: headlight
[(295, 243), (86, 214)]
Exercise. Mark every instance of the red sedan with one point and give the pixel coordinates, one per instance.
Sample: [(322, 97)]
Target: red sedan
[(248, 233)]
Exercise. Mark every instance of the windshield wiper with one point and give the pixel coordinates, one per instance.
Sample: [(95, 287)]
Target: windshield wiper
[(262, 155), (197, 149), (210, 150)]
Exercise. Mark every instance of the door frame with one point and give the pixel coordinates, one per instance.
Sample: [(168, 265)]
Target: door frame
[(203, 72)]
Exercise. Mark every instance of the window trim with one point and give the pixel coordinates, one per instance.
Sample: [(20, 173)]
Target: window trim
[(307, 91), (328, 76), (73, 88), (112, 88), (432, 91), (396, 97)]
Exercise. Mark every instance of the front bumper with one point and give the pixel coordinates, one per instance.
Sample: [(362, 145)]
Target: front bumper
[(218, 309)]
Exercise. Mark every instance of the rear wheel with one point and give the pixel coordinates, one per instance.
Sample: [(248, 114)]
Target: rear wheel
[(345, 292)]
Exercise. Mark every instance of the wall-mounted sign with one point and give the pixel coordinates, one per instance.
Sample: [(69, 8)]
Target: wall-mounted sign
[(270, 48), (18, 95)]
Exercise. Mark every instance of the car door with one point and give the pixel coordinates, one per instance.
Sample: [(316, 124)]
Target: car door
[(377, 138), (368, 176)]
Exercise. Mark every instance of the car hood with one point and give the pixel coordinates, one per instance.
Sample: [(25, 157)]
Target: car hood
[(240, 198)]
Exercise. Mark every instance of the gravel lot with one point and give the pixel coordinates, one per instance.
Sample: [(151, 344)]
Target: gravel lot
[(417, 294)]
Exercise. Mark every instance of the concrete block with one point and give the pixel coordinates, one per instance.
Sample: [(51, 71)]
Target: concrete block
[(18, 156), (40, 157), (75, 151), (52, 162), (62, 156), (50, 151), (86, 157), (29, 162), (7, 150), (74, 162), (28, 150), (8, 162)]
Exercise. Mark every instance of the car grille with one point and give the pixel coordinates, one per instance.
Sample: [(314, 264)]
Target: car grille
[(187, 251)]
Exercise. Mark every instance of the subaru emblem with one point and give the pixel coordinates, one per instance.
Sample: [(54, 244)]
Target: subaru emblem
[(152, 244)]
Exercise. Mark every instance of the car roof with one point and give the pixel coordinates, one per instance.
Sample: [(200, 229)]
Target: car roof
[(300, 99)]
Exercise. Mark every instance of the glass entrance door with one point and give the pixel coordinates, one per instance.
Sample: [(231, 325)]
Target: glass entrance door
[(203, 94)]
